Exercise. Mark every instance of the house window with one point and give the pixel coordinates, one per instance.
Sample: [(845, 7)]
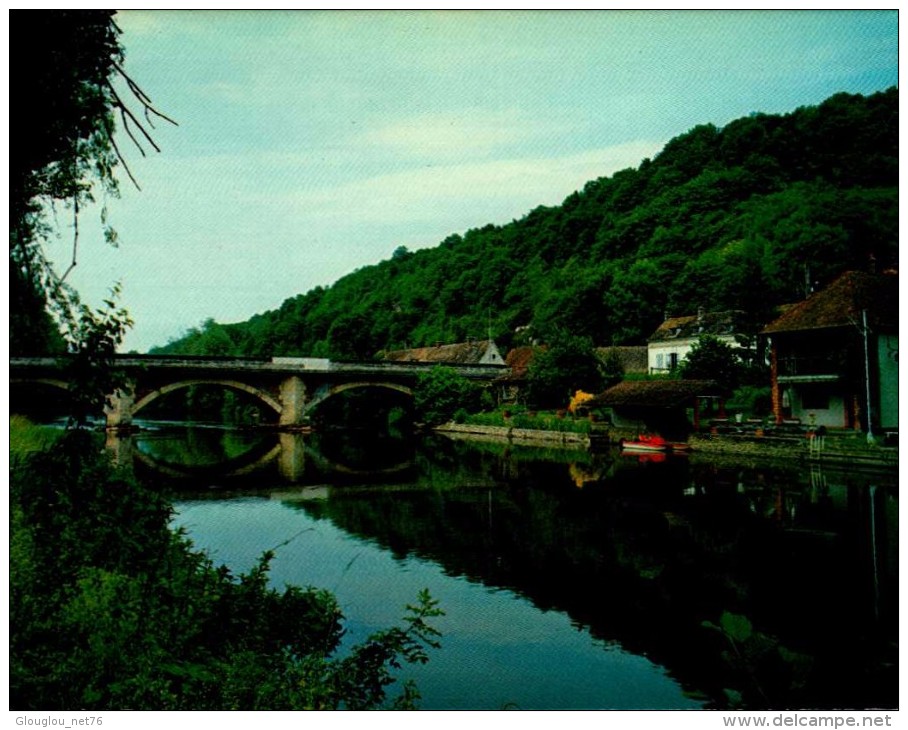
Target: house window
[(672, 360), (660, 359)]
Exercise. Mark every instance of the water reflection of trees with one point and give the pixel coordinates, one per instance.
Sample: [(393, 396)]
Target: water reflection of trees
[(649, 552), (359, 452)]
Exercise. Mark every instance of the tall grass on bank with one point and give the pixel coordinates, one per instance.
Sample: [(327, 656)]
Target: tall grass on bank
[(519, 417), (26, 437)]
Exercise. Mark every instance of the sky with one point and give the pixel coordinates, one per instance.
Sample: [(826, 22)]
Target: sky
[(313, 143)]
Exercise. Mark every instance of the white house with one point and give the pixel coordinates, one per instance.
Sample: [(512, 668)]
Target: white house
[(676, 336)]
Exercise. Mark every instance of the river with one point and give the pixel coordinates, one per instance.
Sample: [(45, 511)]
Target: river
[(569, 580)]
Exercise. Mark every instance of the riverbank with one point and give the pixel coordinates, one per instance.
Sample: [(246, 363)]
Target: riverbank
[(832, 449), (529, 436)]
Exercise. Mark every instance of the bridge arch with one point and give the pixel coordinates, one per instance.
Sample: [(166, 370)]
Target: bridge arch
[(324, 394), (258, 393), (41, 398), (53, 382)]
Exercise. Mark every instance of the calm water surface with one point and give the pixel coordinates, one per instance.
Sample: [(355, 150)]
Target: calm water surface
[(569, 580)]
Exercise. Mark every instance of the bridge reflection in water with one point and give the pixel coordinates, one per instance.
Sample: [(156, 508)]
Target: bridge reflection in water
[(189, 453)]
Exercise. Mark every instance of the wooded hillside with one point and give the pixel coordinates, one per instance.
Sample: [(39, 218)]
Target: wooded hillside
[(747, 216)]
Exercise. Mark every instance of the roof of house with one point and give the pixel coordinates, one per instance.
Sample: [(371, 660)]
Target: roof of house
[(706, 323), (461, 353), (634, 359), (655, 393), (841, 304), (519, 359)]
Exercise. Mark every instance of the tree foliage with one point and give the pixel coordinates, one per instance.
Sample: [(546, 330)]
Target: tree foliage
[(747, 216), (92, 341), (712, 359), (441, 392), (567, 365), (66, 109)]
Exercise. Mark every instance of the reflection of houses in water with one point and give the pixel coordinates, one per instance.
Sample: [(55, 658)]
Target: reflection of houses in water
[(835, 515), (674, 544)]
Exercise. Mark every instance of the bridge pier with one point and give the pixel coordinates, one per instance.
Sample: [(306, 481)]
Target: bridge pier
[(293, 402), (118, 409), (120, 448), (292, 459)]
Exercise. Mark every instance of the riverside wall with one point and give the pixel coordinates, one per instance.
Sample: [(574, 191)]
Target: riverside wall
[(524, 435), (795, 447)]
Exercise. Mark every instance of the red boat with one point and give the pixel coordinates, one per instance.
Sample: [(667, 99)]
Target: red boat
[(649, 443), (645, 442)]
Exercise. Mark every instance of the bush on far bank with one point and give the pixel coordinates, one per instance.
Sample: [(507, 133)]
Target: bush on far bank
[(519, 416)]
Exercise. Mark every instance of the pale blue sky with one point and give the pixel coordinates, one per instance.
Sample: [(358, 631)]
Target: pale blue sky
[(312, 143)]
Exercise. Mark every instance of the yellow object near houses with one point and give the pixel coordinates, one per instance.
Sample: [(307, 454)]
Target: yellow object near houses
[(578, 400)]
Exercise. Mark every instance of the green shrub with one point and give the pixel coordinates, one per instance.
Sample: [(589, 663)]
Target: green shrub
[(751, 400), (441, 392)]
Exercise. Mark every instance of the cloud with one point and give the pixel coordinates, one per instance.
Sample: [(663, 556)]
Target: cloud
[(510, 186), (461, 134), (141, 22)]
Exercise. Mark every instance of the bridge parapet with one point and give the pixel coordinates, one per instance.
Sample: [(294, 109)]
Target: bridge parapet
[(276, 364)]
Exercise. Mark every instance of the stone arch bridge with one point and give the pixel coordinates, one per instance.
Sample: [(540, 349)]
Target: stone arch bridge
[(290, 386)]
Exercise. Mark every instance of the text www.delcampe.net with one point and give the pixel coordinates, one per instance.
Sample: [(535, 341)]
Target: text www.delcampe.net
[(796, 720)]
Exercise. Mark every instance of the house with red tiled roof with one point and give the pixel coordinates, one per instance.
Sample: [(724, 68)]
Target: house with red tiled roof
[(518, 361), (834, 356)]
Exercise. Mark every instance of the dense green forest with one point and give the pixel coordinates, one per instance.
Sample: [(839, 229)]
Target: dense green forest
[(747, 216)]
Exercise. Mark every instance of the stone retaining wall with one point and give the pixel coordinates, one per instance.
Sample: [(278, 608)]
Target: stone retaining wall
[(506, 433)]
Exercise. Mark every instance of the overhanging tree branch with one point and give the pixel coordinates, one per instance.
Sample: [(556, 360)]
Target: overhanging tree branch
[(142, 97), (75, 238)]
